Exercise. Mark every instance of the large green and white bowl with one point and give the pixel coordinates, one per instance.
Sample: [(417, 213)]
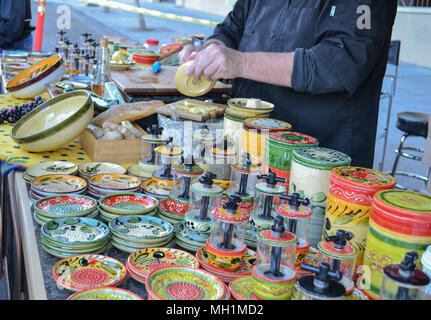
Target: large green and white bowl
[(54, 123)]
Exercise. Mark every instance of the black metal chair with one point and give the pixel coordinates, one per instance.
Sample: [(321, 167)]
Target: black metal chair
[(413, 124)]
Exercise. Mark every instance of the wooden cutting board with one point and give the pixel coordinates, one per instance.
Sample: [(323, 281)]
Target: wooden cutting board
[(169, 109), (140, 80)]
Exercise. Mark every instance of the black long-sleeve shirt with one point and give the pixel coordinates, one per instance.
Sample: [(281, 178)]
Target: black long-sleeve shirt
[(338, 66), (15, 16)]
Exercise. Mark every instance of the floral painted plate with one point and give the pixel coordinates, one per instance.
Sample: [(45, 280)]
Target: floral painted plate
[(65, 205), (51, 167), (128, 203), (114, 181), (184, 283), (58, 183), (140, 228), (88, 271), (145, 261), (75, 231), (245, 269), (242, 288), (107, 293)]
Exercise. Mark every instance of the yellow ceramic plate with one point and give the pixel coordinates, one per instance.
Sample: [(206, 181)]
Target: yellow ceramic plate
[(114, 181), (58, 183), (190, 86), (105, 294), (51, 167)]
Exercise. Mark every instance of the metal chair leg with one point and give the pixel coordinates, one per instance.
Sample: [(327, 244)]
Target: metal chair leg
[(397, 159)]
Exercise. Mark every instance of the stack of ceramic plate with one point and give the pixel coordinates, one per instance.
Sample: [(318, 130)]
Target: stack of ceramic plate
[(188, 238), (123, 204), (89, 271), (144, 261), (66, 237), (152, 188), (101, 185), (56, 184), (51, 167), (245, 269), (184, 283), (90, 169), (64, 206), (164, 212), (129, 233), (105, 293), (242, 288)]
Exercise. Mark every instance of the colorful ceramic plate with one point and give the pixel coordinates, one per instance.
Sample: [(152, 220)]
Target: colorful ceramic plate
[(242, 288), (184, 283), (151, 187), (52, 167), (111, 216), (189, 86), (145, 261), (88, 271), (75, 231), (245, 269), (119, 246), (93, 168), (137, 171), (65, 205), (189, 236), (114, 182), (167, 219), (107, 293), (142, 244), (75, 250), (42, 219), (128, 203), (187, 246), (58, 183), (61, 254)]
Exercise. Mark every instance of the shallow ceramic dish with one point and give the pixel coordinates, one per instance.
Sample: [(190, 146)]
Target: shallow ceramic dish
[(75, 231), (168, 243), (93, 168), (54, 123), (151, 187), (184, 283), (128, 203), (138, 228), (121, 66), (58, 184), (145, 261), (189, 236), (42, 219), (109, 182), (65, 205), (189, 86), (94, 249), (61, 254), (111, 216), (107, 293), (88, 271), (242, 288), (245, 268), (51, 167), (137, 171), (31, 82)]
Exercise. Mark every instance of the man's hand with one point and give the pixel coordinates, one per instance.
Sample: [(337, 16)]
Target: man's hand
[(217, 62), (186, 53)]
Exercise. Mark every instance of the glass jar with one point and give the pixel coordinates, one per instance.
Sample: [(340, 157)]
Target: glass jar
[(149, 143), (274, 274), (166, 157), (220, 161), (203, 141), (152, 46)]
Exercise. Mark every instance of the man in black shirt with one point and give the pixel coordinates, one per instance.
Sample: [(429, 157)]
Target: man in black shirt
[(321, 62), (15, 29)]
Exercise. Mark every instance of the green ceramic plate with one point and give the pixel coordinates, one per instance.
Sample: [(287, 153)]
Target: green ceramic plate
[(121, 247), (139, 245), (60, 254), (140, 228), (187, 246), (111, 216), (242, 288), (106, 293), (87, 246), (40, 219), (189, 236), (76, 250), (75, 231)]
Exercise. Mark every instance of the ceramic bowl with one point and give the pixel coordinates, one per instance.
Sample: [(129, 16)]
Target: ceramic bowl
[(31, 82), (227, 260), (65, 205), (54, 123), (128, 203)]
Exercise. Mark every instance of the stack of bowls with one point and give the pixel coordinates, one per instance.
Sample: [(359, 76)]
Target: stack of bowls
[(49, 167), (64, 206), (67, 237), (101, 185), (87, 170), (120, 204), (56, 184), (130, 233)]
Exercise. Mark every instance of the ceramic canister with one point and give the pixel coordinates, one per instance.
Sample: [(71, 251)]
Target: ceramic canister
[(309, 176), (400, 222), (351, 190), (278, 152), (254, 135)]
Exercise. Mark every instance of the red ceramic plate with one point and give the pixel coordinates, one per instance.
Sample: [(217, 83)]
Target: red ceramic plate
[(125, 203)]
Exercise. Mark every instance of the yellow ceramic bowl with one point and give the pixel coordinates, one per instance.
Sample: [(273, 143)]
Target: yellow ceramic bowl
[(54, 123), (31, 82), (189, 86)]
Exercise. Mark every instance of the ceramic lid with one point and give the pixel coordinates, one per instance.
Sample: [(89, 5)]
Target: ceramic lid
[(175, 151), (292, 138), (302, 212), (254, 169), (153, 139), (329, 248), (266, 123), (320, 158), (266, 237), (212, 190), (277, 189), (183, 169), (223, 214), (362, 178)]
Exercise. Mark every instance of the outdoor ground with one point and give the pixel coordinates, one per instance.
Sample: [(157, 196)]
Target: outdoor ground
[(413, 88)]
